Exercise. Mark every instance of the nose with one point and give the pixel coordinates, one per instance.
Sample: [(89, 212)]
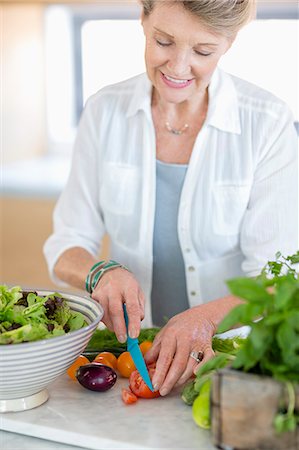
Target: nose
[(179, 63)]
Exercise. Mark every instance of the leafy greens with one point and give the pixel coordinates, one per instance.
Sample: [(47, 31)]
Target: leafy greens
[(26, 316), (271, 309)]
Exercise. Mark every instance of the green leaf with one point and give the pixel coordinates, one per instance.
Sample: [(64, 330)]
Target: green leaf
[(218, 362), (232, 318), (76, 321), (189, 394), (250, 289), (286, 288), (261, 337), (228, 345), (294, 259), (284, 423)]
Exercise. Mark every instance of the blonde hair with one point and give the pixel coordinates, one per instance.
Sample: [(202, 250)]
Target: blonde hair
[(225, 17)]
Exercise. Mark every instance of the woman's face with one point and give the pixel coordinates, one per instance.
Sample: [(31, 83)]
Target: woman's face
[(180, 53)]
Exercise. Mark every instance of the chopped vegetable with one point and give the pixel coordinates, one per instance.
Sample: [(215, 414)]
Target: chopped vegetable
[(26, 316), (128, 397), (138, 386)]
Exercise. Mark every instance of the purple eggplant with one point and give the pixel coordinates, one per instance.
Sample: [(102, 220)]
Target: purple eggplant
[(96, 377)]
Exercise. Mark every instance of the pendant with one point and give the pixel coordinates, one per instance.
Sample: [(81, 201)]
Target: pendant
[(176, 131)]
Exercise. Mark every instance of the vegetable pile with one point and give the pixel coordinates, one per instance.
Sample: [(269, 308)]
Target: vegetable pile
[(271, 309), (26, 316), (105, 358)]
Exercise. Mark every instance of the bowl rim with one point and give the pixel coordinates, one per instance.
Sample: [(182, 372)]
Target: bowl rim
[(67, 296)]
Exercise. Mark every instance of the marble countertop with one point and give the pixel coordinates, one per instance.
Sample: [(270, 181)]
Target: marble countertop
[(75, 417)]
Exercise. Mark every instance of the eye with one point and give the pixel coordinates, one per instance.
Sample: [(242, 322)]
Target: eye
[(202, 53), (163, 44)]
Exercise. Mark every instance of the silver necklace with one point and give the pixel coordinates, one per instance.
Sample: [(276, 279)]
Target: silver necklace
[(176, 131)]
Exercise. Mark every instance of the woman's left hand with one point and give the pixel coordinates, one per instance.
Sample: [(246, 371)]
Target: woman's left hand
[(189, 331)]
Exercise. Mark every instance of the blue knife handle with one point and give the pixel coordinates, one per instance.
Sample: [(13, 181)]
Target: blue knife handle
[(130, 341)]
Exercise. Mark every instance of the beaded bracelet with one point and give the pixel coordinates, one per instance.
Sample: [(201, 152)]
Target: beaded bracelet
[(97, 271), (91, 274)]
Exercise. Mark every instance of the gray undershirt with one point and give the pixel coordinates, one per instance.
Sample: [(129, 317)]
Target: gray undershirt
[(169, 293)]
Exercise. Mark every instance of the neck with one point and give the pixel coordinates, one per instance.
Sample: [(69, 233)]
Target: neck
[(180, 113)]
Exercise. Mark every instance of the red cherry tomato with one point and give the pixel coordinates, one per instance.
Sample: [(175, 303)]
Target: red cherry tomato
[(138, 386), (128, 397)]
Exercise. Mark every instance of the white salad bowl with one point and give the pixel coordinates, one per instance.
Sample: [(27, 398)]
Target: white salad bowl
[(27, 368)]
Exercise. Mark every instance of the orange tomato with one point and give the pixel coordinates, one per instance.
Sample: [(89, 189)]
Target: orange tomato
[(125, 364), (128, 397), (145, 346), (80, 361), (102, 360), (106, 358), (138, 386)]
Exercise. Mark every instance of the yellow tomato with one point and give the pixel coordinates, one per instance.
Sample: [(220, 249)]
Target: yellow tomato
[(108, 357), (125, 364), (80, 361), (145, 346)]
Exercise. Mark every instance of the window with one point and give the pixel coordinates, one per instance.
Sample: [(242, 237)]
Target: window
[(101, 44)]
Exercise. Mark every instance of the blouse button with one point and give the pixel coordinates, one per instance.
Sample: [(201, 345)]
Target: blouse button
[(193, 293), (191, 268)]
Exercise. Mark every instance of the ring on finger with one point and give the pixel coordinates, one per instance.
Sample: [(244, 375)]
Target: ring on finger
[(198, 356)]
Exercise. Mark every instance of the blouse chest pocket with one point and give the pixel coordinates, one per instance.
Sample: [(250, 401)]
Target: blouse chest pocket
[(119, 188), (229, 205)]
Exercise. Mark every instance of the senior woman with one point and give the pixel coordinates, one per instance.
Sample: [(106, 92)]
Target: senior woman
[(191, 172)]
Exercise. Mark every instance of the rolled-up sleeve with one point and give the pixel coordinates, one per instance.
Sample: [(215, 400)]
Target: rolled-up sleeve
[(270, 223), (77, 219)]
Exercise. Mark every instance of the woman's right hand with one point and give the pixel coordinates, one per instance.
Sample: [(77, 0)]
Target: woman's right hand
[(118, 286)]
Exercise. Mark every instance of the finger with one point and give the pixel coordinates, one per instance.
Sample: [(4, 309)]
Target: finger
[(116, 313), (165, 358), (134, 311), (103, 301), (208, 354), (141, 299), (189, 371), (177, 368), (152, 354)]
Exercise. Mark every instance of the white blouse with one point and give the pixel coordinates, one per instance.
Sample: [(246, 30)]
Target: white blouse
[(239, 199)]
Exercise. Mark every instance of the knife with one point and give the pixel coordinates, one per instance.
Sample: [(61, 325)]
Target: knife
[(135, 352)]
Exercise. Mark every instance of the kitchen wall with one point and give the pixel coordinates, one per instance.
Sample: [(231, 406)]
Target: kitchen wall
[(25, 214), (25, 224), (23, 103)]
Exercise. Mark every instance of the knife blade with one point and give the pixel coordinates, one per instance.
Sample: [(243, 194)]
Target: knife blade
[(135, 352)]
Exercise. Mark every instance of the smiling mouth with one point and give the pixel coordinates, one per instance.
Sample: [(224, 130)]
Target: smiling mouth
[(176, 83), (175, 80)]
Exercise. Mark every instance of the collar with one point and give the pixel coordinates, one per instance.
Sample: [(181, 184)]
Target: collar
[(142, 95), (223, 110)]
